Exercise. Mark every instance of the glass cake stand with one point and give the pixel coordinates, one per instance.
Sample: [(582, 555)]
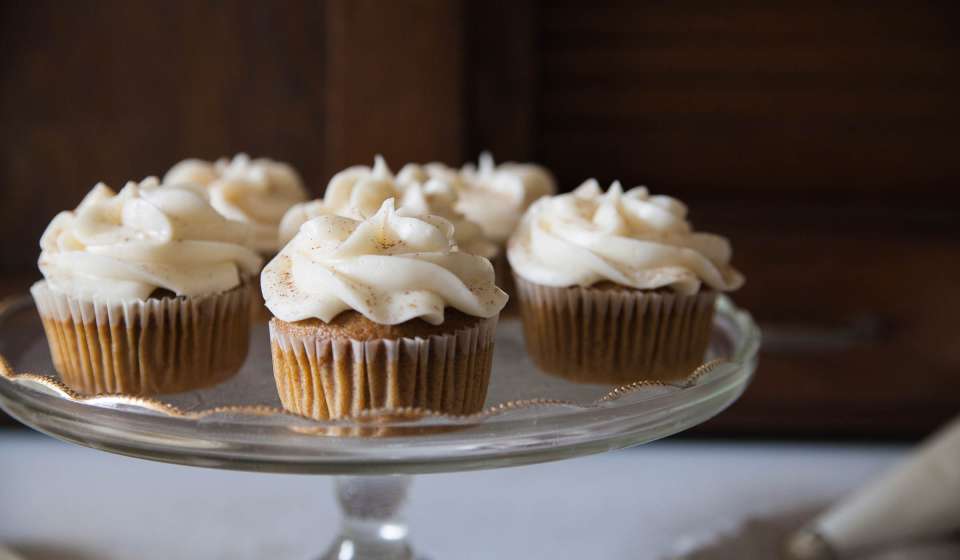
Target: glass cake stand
[(530, 417)]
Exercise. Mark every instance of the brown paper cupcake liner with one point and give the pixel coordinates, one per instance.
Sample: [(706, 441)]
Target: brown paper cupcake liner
[(153, 346), (503, 276), (615, 335), (329, 378), (258, 307)]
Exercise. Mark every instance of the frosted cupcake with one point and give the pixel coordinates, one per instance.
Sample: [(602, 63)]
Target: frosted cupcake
[(492, 196), (614, 287), (145, 291), (380, 313), (257, 192)]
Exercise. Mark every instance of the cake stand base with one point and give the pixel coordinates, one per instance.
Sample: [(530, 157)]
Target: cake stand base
[(235, 426), (372, 525)]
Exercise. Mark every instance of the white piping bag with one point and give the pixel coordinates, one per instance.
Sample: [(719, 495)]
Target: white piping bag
[(918, 499)]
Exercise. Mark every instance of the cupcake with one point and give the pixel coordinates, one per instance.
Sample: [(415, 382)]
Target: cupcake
[(380, 313), (145, 291), (615, 287), (492, 196), (257, 192)]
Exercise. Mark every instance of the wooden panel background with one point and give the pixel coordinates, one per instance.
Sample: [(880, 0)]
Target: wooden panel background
[(114, 91), (395, 82), (786, 96), (819, 136)]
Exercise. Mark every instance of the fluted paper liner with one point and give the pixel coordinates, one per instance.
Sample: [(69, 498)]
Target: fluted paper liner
[(503, 274), (329, 378), (258, 308), (917, 499), (596, 335), (145, 347)]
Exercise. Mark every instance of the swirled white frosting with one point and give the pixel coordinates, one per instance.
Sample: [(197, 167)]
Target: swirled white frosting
[(496, 196), (255, 191), (299, 214), (123, 246), (356, 192), (629, 238), (492, 196), (390, 267), (417, 173), (438, 198), (359, 192)]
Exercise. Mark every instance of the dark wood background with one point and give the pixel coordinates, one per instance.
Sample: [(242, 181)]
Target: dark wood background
[(819, 136)]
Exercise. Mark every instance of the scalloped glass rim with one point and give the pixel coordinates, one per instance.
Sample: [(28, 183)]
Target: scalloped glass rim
[(395, 441), (641, 391)]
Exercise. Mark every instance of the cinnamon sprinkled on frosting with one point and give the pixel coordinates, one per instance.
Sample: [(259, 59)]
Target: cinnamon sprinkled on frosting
[(631, 238), (391, 267)]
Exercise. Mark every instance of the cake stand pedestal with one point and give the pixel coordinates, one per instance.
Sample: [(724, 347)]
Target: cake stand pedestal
[(371, 454), (372, 518)]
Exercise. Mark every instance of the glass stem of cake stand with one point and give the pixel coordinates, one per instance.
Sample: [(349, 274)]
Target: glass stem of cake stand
[(373, 527)]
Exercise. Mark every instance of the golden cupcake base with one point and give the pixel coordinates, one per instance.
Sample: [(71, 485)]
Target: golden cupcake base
[(148, 347), (323, 376), (614, 335)]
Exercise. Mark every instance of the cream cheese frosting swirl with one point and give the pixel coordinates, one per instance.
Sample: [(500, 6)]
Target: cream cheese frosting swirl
[(391, 267), (123, 246), (630, 238), (496, 196), (490, 195), (257, 192), (299, 214), (356, 192), (417, 173), (438, 198), (359, 192)]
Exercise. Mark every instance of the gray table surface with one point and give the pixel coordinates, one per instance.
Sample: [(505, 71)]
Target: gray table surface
[(59, 501)]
